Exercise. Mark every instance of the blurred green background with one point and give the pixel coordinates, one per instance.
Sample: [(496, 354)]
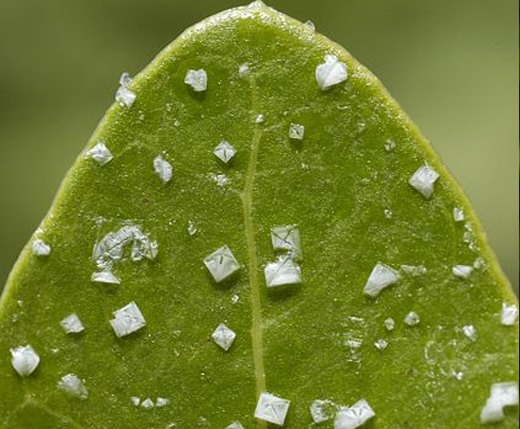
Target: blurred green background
[(452, 64)]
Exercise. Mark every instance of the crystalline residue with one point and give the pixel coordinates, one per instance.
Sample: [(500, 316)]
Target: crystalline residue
[(331, 72), (223, 336), (73, 385), (322, 410), (287, 238), (197, 79), (502, 395), (423, 180), (40, 248), (355, 416), (470, 332), (163, 169), (284, 271), (458, 214), (509, 314), (462, 271), (380, 278), (24, 360), (296, 132), (127, 320), (412, 319), (221, 264), (100, 153), (124, 96), (272, 409), (72, 324), (224, 151)]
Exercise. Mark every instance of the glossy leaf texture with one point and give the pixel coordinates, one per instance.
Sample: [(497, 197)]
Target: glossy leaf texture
[(345, 185)]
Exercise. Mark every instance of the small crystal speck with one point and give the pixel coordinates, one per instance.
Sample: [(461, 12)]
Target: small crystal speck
[(105, 277), (412, 319), (197, 79), (243, 70), (509, 314), (389, 324), (235, 425), (192, 229), (259, 118), (380, 278), (331, 72), (470, 332), (423, 180), (296, 132), (390, 145), (147, 403), (381, 344), (388, 213), (100, 153), (73, 385), (40, 248), (135, 401), (163, 169), (458, 214), (310, 25), (225, 151), (322, 410), (161, 402), (223, 336), (462, 271), (72, 324), (355, 416)]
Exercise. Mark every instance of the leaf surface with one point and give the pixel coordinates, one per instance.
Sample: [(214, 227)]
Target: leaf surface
[(345, 186)]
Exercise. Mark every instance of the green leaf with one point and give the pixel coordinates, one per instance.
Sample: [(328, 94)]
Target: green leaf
[(346, 186)]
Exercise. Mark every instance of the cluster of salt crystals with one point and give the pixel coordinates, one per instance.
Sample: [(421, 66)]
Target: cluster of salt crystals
[(462, 271), (72, 324), (24, 360), (509, 315), (423, 180), (127, 320), (389, 324), (296, 132), (458, 214), (414, 270), (223, 337), (381, 344), (412, 319), (220, 179), (224, 151), (470, 332), (502, 395), (235, 425), (40, 248), (73, 385), (148, 403), (283, 272), (355, 416), (380, 278), (221, 264), (100, 153), (124, 96), (197, 79), (322, 410), (272, 409), (331, 72), (163, 169), (390, 145), (243, 70)]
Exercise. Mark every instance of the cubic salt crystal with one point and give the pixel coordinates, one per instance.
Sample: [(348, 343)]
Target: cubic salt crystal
[(221, 264), (235, 425), (100, 153), (24, 360), (355, 416), (331, 72), (389, 324), (509, 314), (40, 248), (223, 336), (72, 324), (163, 169), (458, 214), (414, 270), (147, 403), (287, 238), (322, 410), (412, 319), (462, 271), (125, 97), (380, 278), (470, 332), (127, 320), (72, 385), (502, 395), (381, 344), (272, 409), (423, 180), (296, 132), (224, 151), (492, 412), (105, 277), (161, 402), (135, 401), (243, 70), (197, 79), (282, 272)]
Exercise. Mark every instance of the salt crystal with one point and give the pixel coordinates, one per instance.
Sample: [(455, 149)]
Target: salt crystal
[(322, 410), (492, 412), (224, 151), (161, 402), (412, 319), (147, 403), (272, 409), (310, 25), (509, 314), (220, 179), (462, 271), (381, 277), (389, 324), (355, 416), (24, 360), (282, 272), (221, 264), (197, 79), (192, 229), (125, 79), (388, 213), (287, 238), (127, 320), (259, 118), (235, 425), (423, 180), (72, 324), (105, 277), (234, 299), (381, 344), (223, 336), (163, 169), (243, 70), (414, 270), (40, 248), (331, 72), (296, 132), (125, 97), (72, 385), (135, 401), (502, 395), (390, 145), (100, 153), (458, 214), (470, 332)]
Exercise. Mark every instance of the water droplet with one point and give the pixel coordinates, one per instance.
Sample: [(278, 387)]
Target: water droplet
[(197, 79), (296, 131), (100, 153), (331, 72), (470, 332), (462, 271), (412, 319), (221, 264), (72, 385), (380, 278), (322, 410), (272, 409), (72, 324), (390, 145), (24, 360), (287, 238), (163, 169), (423, 180), (223, 336), (282, 272), (355, 416), (224, 151), (509, 314), (127, 320), (40, 248), (389, 324), (458, 214)]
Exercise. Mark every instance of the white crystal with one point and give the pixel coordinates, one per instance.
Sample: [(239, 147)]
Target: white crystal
[(135, 400), (125, 79), (197, 79), (243, 70), (322, 410), (125, 97), (462, 271), (224, 151), (296, 131), (100, 153), (412, 319), (72, 385), (355, 416), (389, 324), (272, 409), (72, 324), (458, 214), (331, 72), (163, 169), (509, 314), (24, 360), (220, 179), (414, 270), (381, 344), (470, 332), (478, 263), (282, 272), (223, 336), (390, 145), (192, 229), (235, 425), (40, 248), (161, 402), (105, 277), (259, 118), (310, 24), (492, 412), (423, 180), (502, 395), (221, 264), (388, 213), (287, 238), (381, 277), (234, 299), (127, 320), (147, 403)]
